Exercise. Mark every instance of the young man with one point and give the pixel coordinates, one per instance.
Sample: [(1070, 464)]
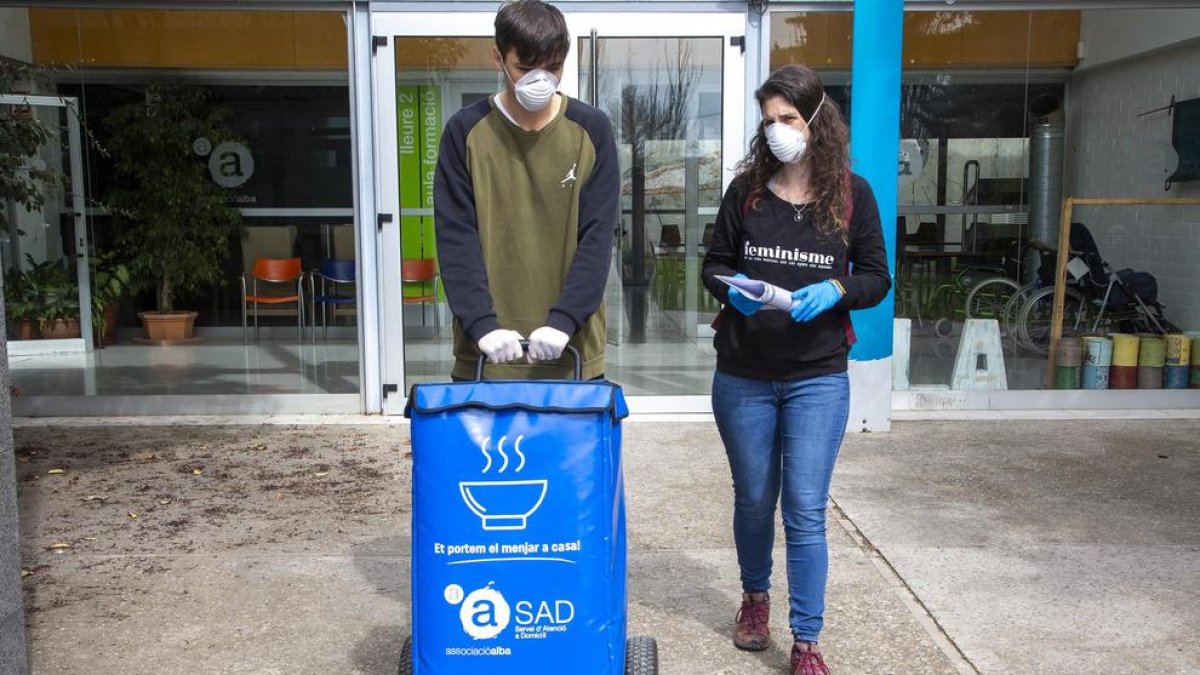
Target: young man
[(525, 201)]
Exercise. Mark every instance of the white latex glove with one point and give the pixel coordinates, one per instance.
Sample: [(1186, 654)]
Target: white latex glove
[(501, 346), (547, 344)]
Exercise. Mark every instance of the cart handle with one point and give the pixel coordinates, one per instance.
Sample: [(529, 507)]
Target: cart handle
[(525, 345)]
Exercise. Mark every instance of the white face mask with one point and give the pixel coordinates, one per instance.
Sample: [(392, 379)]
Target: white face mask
[(535, 89), (788, 143)]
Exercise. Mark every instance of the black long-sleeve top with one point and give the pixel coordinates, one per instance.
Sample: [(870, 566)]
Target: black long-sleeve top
[(766, 242)]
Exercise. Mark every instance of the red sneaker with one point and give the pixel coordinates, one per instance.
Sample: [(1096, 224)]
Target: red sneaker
[(753, 632), (806, 662)]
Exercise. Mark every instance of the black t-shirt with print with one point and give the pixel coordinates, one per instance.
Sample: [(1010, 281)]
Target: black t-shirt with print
[(766, 242)]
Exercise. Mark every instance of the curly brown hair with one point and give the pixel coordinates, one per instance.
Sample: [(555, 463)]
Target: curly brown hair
[(828, 150)]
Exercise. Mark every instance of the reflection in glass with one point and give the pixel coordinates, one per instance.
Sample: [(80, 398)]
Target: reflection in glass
[(282, 77), (664, 98), (435, 78)]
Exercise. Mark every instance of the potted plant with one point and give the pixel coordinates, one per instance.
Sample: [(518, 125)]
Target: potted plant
[(20, 305), (110, 279), (55, 297), (173, 221)]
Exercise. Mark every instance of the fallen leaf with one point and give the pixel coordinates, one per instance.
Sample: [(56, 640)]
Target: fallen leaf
[(320, 474), (259, 446), (89, 539), (59, 545), (94, 498), (197, 472), (56, 471), (164, 502), (26, 572), (23, 459), (133, 516)]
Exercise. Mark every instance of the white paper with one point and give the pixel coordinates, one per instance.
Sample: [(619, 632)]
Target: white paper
[(770, 295)]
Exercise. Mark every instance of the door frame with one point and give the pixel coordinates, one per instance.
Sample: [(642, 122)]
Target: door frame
[(76, 201), (386, 26)]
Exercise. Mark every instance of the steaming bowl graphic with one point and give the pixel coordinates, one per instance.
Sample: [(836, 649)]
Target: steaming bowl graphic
[(503, 505)]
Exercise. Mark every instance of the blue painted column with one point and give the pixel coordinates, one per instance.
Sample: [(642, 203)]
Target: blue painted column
[(874, 148)]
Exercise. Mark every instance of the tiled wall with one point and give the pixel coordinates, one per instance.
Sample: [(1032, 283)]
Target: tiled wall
[(1111, 152)]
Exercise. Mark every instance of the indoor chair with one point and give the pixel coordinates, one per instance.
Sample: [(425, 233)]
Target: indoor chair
[(421, 271), (274, 272), (333, 278)]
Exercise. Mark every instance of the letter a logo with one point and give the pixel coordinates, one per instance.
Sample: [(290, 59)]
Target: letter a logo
[(484, 613)]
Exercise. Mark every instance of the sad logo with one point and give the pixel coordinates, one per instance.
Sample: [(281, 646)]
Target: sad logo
[(484, 613)]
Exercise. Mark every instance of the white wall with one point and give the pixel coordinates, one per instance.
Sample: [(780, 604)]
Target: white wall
[(1109, 35), (1111, 152), (14, 34)]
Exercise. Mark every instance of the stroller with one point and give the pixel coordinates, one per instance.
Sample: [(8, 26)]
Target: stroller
[(1123, 298)]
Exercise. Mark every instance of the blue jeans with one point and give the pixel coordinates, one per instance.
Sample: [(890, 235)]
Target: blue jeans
[(783, 435)]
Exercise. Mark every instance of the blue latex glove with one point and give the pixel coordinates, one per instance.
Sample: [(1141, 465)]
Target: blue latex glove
[(814, 300), (740, 302)]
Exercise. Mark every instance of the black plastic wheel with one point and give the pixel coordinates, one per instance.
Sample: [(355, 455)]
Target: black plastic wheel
[(641, 656), (406, 656)]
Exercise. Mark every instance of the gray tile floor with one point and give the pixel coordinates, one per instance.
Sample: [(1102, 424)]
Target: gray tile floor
[(666, 364)]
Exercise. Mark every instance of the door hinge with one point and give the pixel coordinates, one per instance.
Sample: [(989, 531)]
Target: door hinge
[(378, 41), (381, 219), (738, 41)]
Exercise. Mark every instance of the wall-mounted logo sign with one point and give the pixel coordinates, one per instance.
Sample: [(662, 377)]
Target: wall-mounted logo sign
[(230, 164)]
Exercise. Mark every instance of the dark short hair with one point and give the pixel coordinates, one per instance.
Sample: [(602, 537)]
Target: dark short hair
[(536, 29)]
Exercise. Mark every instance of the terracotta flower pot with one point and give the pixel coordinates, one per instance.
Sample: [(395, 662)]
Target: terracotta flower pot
[(167, 326), (24, 329), (111, 313), (60, 329)]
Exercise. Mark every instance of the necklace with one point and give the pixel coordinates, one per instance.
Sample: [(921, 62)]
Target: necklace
[(799, 210)]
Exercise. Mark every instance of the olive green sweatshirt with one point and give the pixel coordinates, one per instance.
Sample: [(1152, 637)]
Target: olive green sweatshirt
[(524, 224)]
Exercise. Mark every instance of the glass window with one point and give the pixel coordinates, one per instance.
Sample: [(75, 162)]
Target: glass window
[(1003, 115), (209, 140)]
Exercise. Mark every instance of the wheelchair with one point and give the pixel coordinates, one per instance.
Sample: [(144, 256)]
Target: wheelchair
[(1098, 299)]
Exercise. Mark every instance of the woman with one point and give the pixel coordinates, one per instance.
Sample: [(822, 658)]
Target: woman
[(795, 217)]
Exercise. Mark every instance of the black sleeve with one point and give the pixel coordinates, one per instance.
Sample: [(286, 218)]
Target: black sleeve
[(583, 289), (726, 240), (460, 256), (868, 280)]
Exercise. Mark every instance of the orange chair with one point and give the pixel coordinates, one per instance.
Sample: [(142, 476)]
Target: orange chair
[(422, 271), (275, 272)]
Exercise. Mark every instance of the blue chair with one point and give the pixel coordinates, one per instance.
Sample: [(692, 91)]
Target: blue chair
[(334, 277)]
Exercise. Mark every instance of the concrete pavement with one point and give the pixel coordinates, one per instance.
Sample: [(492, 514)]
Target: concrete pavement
[(1008, 548)]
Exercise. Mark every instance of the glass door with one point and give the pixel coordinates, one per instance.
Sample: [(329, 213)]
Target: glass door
[(676, 101), (43, 238)]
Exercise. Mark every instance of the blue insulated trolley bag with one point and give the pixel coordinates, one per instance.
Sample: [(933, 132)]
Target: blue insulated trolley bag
[(518, 530)]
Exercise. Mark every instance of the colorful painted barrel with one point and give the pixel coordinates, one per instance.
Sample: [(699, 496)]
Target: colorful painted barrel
[(1097, 351), (1179, 348), (1125, 349), (1195, 379), (1149, 377), (1123, 377), (1066, 377), (1070, 352), (1152, 352), (1093, 377), (1176, 377)]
